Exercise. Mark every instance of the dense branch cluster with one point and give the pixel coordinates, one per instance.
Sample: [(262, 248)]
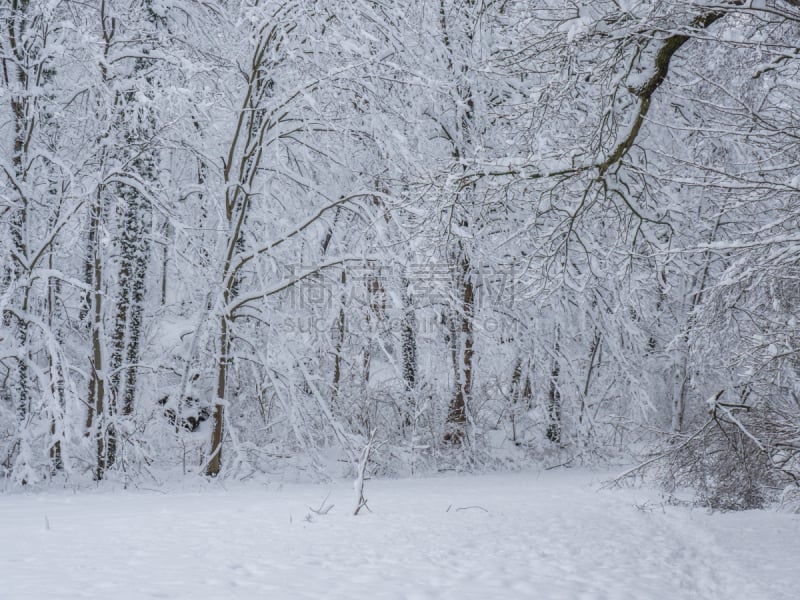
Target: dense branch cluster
[(258, 236)]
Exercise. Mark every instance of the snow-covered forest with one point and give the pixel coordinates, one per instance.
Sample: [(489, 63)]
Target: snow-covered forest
[(318, 238)]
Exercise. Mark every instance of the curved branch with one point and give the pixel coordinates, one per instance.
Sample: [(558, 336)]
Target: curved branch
[(645, 92)]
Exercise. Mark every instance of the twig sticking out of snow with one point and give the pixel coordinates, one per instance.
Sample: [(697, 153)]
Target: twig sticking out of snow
[(470, 507), (323, 509), (362, 469)]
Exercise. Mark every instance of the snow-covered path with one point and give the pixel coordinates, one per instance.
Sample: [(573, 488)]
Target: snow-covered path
[(540, 536)]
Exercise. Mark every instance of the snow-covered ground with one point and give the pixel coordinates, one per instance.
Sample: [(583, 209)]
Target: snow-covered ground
[(542, 536)]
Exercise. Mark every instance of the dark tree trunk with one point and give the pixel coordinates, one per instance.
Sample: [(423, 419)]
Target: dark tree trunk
[(554, 399), (463, 345)]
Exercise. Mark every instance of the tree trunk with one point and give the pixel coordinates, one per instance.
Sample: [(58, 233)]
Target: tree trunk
[(554, 398), (17, 80), (218, 429), (409, 340), (339, 343), (99, 414), (457, 416)]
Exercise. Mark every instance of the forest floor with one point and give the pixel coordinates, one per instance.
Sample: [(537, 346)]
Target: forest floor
[(544, 536)]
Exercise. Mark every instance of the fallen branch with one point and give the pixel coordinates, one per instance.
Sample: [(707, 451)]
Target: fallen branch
[(470, 507), (640, 467), (323, 509)]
